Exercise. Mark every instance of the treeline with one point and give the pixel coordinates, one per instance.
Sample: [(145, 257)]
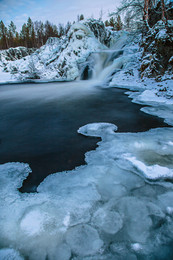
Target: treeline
[(32, 34)]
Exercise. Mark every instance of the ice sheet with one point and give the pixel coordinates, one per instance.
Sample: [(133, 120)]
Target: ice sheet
[(86, 211)]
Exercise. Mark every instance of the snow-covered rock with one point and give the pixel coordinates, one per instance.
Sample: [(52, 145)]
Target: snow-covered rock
[(13, 54), (99, 30)]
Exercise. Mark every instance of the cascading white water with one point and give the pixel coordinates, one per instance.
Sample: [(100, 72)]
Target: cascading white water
[(102, 65), (106, 63)]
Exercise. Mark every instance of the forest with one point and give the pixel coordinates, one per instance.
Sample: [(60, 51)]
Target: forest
[(32, 34), (35, 34), (137, 14)]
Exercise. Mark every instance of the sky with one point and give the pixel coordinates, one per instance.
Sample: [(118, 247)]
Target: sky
[(56, 11)]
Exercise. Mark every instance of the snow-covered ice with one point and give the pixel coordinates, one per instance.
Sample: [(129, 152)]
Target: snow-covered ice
[(84, 211), (83, 240)]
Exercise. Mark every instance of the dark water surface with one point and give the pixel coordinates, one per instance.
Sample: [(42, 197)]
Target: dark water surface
[(39, 123)]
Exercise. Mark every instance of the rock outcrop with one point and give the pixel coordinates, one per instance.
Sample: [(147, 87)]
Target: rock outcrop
[(99, 30), (13, 54)]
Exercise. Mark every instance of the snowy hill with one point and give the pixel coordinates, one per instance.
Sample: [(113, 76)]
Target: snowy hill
[(58, 58)]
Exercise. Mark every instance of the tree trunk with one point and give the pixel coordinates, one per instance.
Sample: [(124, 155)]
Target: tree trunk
[(146, 4), (145, 17), (163, 11)]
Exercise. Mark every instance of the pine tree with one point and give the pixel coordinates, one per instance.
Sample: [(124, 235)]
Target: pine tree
[(30, 33), (48, 30), (17, 40), (33, 38), (11, 34), (61, 30), (112, 23), (24, 35), (3, 36), (55, 31), (106, 23), (119, 24), (81, 17)]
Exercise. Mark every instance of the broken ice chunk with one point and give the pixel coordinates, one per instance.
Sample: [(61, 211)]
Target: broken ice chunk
[(108, 221), (62, 251), (97, 129), (83, 240), (136, 218)]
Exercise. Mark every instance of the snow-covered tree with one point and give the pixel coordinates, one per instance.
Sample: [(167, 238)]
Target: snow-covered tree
[(61, 30), (32, 70), (137, 12), (134, 8), (11, 33), (67, 27), (127, 20)]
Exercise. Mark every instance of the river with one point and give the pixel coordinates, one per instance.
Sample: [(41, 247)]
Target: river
[(39, 123)]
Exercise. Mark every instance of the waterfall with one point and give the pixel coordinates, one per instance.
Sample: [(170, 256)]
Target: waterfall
[(102, 65)]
